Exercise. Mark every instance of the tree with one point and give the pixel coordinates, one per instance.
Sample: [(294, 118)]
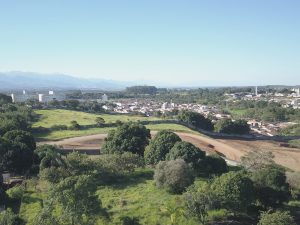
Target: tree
[(276, 218), (7, 217), (100, 121), (175, 175), (255, 160), (189, 153), (4, 99), (234, 190), (22, 137), (214, 164), (271, 186), (15, 156), (129, 137), (195, 119), (228, 126), (76, 196), (159, 146), (198, 201), (49, 156)]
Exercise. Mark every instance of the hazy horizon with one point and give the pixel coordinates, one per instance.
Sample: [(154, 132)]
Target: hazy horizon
[(176, 43)]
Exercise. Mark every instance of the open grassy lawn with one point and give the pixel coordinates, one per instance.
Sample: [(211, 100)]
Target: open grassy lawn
[(49, 118), (62, 134)]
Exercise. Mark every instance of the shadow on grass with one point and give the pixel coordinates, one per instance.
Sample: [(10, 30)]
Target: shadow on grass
[(131, 179)]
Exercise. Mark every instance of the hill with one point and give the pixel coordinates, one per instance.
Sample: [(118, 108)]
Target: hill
[(29, 80)]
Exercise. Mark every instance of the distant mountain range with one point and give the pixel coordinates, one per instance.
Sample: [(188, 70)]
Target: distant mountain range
[(29, 80)]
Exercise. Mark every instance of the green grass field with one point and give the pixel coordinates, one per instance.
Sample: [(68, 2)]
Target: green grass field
[(135, 196), (48, 118)]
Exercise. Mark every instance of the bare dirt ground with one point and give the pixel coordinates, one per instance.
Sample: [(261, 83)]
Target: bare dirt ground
[(231, 149)]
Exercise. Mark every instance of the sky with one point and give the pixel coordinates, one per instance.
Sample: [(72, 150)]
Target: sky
[(187, 42)]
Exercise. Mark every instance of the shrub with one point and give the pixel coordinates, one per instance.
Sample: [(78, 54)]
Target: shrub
[(159, 146), (120, 163), (293, 179), (276, 218), (175, 175), (74, 125)]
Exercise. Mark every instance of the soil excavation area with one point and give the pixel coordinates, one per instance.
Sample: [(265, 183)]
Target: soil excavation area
[(231, 149)]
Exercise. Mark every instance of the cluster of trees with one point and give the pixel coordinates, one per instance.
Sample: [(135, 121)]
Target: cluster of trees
[(263, 110), (17, 146), (222, 126), (74, 179), (228, 126), (196, 120), (262, 187), (142, 90)]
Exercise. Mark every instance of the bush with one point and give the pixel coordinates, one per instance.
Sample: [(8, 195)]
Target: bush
[(16, 192), (293, 179), (159, 146), (189, 153), (175, 175), (120, 163), (276, 218), (74, 125)]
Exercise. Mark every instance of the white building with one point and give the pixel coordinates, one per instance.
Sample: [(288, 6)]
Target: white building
[(104, 98)]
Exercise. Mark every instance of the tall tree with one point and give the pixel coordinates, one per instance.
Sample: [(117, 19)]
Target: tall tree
[(159, 146), (129, 137)]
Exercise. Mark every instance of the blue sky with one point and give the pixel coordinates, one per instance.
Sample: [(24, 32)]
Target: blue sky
[(212, 42)]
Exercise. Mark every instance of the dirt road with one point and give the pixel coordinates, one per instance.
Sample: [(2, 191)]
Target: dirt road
[(231, 149)]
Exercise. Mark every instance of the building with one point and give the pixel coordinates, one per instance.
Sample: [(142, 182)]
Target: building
[(104, 98)]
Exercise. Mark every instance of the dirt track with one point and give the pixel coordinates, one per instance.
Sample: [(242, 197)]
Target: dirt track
[(231, 149)]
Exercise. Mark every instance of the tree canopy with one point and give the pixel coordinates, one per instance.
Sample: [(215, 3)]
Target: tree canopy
[(159, 146), (189, 153), (129, 137), (195, 119), (228, 126)]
